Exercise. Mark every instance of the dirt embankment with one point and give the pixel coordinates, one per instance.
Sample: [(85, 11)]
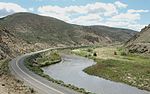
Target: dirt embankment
[(10, 47), (9, 84)]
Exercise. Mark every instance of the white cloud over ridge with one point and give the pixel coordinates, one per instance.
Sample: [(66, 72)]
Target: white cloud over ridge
[(88, 19), (126, 17), (127, 20), (96, 14), (89, 8), (96, 8), (9, 8)]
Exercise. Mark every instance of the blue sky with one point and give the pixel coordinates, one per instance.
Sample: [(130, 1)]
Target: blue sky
[(132, 14)]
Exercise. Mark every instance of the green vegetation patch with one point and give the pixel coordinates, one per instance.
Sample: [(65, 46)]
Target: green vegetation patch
[(48, 59), (134, 71), (118, 65), (85, 52)]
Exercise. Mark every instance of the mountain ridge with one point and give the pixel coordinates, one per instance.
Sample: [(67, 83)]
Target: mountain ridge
[(39, 32)]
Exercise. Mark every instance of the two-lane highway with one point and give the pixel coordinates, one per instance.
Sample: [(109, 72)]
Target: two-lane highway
[(35, 81)]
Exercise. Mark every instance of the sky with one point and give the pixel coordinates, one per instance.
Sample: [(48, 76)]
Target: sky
[(131, 14)]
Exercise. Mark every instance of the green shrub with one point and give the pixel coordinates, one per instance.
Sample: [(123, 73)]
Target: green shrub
[(90, 50), (123, 53), (94, 54), (115, 53)]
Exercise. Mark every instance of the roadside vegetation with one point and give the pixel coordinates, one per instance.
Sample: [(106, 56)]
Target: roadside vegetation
[(115, 63), (36, 62), (85, 52), (48, 59)]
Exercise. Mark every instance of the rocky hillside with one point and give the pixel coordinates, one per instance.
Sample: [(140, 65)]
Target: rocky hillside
[(23, 32), (11, 46), (140, 43)]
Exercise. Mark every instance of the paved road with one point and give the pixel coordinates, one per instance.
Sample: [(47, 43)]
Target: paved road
[(40, 84)]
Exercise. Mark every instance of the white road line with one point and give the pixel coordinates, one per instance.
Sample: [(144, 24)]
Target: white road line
[(22, 78), (36, 79)]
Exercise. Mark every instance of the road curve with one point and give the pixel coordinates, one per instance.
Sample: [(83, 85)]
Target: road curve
[(40, 84)]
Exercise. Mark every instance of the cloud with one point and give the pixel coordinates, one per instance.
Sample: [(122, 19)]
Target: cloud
[(60, 16), (126, 17), (97, 13), (120, 5), (37, 0), (127, 20), (88, 19), (9, 8), (100, 8), (130, 15), (137, 11), (90, 14), (31, 9), (129, 25), (136, 26)]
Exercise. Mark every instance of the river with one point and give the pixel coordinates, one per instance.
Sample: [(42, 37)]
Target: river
[(70, 71)]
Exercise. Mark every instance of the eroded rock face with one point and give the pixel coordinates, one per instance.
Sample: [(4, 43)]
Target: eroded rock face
[(2, 47), (1, 39), (11, 46), (140, 43), (5, 39), (2, 55), (139, 48)]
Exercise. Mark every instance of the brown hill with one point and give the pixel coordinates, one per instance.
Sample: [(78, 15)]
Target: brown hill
[(22, 32), (140, 43)]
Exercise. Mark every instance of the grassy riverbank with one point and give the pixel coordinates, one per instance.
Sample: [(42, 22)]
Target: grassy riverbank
[(35, 62), (117, 65)]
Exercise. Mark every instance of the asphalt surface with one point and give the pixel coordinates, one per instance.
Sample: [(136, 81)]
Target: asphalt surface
[(40, 84)]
